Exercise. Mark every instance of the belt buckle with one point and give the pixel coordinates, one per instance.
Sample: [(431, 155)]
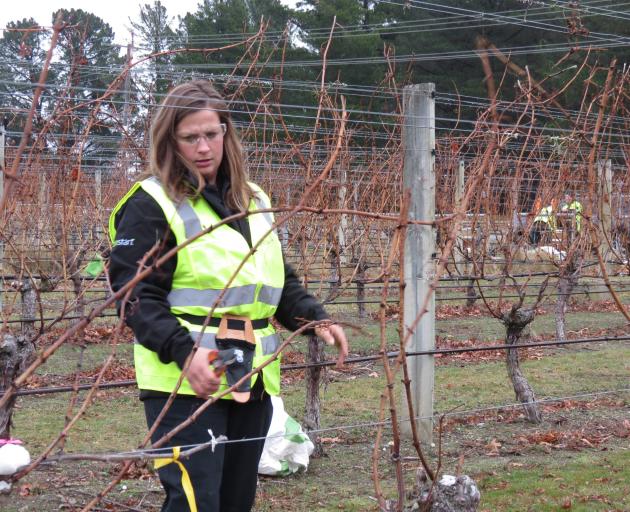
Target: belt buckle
[(244, 334)]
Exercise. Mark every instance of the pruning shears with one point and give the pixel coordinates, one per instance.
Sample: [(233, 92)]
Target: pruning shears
[(221, 359)]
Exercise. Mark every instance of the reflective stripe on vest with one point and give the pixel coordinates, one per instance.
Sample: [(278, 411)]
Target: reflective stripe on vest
[(192, 224), (270, 344), (234, 296), (270, 295), (208, 340)]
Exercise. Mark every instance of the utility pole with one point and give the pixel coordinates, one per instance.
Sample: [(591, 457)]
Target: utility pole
[(3, 134), (98, 192), (127, 86), (604, 175), (419, 257), (342, 228), (126, 117), (459, 255)]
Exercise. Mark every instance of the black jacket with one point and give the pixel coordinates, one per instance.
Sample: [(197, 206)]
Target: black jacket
[(140, 224)]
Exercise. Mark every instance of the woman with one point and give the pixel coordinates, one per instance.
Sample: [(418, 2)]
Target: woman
[(197, 177)]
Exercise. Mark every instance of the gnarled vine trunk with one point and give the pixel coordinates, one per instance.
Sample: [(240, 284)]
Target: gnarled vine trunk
[(16, 352), (567, 281), (515, 322), (313, 379)]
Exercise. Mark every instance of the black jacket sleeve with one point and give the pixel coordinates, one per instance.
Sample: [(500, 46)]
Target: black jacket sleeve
[(140, 224), (296, 304)]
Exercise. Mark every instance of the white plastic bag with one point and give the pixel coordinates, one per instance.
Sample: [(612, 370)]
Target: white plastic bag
[(13, 456), (287, 447)]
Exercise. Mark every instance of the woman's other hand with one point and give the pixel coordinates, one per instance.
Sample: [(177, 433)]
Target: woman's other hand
[(333, 334)]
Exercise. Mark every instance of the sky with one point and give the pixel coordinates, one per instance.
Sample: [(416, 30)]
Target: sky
[(114, 12)]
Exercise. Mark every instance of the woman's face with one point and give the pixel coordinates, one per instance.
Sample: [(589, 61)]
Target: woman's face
[(200, 141)]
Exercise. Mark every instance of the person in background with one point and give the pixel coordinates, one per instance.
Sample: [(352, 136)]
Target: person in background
[(196, 178), (544, 224), (571, 213)]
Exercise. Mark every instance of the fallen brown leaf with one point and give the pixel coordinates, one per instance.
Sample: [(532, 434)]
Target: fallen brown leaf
[(493, 448)]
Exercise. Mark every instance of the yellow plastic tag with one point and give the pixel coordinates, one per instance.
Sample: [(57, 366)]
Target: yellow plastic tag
[(186, 483)]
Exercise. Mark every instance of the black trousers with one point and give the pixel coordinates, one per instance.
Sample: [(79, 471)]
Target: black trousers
[(223, 481), (540, 233)]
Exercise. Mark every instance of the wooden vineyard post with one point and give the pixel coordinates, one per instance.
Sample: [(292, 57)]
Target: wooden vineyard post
[(419, 257)]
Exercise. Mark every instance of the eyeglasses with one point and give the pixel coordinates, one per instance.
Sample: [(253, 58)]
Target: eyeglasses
[(213, 134)]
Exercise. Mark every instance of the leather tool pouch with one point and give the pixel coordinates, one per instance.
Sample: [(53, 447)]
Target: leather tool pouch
[(237, 333)]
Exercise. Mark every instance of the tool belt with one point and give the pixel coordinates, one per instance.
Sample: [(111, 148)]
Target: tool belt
[(235, 335), (235, 322)]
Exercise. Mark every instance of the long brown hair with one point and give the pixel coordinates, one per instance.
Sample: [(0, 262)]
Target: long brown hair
[(170, 167)]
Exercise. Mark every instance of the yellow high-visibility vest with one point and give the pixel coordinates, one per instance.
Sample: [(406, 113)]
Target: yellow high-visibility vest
[(203, 270), (546, 215), (576, 207)]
